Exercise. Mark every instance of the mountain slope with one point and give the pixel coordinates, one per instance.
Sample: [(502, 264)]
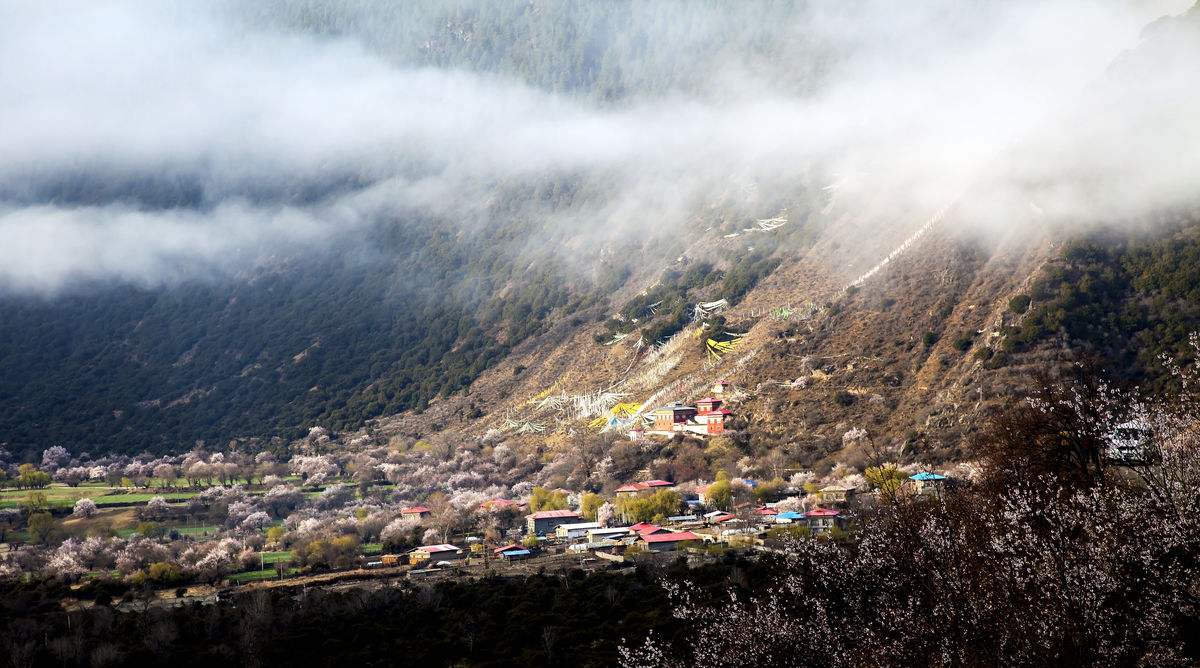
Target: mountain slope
[(500, 288)]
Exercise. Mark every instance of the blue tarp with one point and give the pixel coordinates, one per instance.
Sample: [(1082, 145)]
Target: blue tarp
[(923, 476)]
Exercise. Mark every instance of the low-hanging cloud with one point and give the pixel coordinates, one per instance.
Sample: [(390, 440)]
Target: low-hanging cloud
[(154, 142)]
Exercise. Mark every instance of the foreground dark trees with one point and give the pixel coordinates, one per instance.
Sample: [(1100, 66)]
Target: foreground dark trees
[(574, 619), (541, 620), (1050, 556)]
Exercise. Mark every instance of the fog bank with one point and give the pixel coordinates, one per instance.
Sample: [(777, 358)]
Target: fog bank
[(155, 142)]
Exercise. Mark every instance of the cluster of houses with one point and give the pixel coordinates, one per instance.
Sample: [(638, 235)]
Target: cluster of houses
[(566, 527), (709, 417), (567, 531)]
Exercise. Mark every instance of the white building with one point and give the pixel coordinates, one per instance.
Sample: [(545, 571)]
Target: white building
[(576, 530)]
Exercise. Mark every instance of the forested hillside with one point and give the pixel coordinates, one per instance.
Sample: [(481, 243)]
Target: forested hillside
[(609, 51), (334, 338), (1126, 300)]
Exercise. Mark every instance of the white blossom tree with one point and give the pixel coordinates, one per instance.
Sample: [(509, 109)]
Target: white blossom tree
[(84, 508)]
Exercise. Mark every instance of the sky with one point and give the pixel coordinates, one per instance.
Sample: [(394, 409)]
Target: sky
[(155, 142)]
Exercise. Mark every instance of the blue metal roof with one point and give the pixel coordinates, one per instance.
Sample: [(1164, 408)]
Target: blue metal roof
[(515, 553), (790, 516), (924, 476)]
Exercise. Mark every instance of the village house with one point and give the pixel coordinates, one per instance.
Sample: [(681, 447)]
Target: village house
[(443, 552), (931, 484), (820, 520), (575, 530), (712, 422), (672, 417), (667, 542), (607, 533), (512, 552), (644, 528), (497, 505), (708, 417), (389, 560), (544, 522), (790, 517), (708, 404), (635, 487), (419, 511), (718, 517), (836, 494), (1129, 444)]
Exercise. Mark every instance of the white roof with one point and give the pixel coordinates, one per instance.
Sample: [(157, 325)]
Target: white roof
[(611, 530), (580, 525), (444, 547)]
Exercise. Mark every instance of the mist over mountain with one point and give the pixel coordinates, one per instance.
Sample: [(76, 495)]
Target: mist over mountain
[(651, 333), (227, 220)]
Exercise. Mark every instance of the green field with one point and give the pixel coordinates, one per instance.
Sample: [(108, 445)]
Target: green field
[(273, 557), (61, 496), (195, 531), (266, 574), (125, 499), (198, 532)]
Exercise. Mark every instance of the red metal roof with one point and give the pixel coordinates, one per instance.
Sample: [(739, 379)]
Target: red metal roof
[(724, 518), (822, 512), (765, 511), (649, 484), (670, 537), (498, 503), (510, 546), (645, 528), (708, 400), (414, 509), (548, 514)]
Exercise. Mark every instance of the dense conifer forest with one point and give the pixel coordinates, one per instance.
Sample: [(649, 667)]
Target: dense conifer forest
[(334, 338)]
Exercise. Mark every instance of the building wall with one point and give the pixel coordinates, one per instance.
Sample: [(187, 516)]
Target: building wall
[(420, 556), (546, 526)]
